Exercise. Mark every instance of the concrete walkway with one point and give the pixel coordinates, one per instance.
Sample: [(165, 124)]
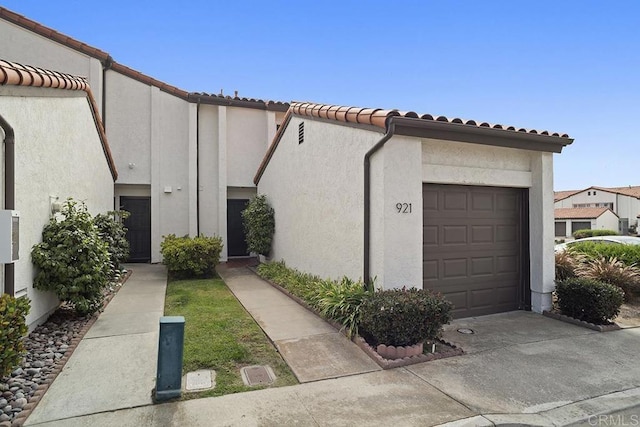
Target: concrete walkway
[(114, 366), (520, 369), (313, 349)]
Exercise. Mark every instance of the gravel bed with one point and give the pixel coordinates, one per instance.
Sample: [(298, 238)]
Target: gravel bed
[(48, 348)]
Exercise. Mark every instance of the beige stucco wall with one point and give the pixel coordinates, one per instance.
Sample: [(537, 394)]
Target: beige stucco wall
[(20, 45), (58, 153), (316, 190)]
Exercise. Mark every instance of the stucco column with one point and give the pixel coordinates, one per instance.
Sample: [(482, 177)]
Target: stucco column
[(541, 221), (193, 170), (155, 176)]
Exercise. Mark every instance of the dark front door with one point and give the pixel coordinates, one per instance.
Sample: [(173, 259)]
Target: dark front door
[(473, 247), (236, 243), (138, 227)]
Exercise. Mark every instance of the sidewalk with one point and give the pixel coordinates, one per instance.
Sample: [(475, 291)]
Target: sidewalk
[(313, 349), (520, 368), (114, 366)]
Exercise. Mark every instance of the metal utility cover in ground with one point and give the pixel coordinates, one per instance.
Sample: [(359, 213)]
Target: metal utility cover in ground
[(257, 375), (203, 379)]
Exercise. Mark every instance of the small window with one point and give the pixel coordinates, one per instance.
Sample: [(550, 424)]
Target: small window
[(594, 193), (301, 133), (588, 193)]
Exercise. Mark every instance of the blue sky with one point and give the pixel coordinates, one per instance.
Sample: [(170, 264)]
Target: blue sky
[(565, 66)]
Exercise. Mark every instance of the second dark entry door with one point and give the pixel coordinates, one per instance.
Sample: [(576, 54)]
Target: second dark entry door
[(236, 243), (138, 227)]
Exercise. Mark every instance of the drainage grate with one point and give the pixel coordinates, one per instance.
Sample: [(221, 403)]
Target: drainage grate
[(466, 331), (257, 375)]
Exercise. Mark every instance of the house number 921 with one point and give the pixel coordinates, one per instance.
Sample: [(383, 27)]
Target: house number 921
[(403, 207)]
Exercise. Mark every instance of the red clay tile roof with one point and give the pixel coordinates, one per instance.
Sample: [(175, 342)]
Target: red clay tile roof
[(561, 195), (378, 117), (579, 213), (109, 63), (632, 191), (12, 73), (238, 102)]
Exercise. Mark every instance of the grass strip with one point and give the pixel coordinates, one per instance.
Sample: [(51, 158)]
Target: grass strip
[(221, 335)]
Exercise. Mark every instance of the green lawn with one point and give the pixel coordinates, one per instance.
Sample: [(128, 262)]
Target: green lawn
[(221, 335)]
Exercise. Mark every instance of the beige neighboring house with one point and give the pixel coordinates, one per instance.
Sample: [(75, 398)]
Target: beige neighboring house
[(54, 147), (569, 220), (622, 201), (416, 200)]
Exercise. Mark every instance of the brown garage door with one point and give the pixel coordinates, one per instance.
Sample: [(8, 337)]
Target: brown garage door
[(472, 244)]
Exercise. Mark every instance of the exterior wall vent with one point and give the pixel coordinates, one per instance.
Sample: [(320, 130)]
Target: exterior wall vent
[(301, 133)]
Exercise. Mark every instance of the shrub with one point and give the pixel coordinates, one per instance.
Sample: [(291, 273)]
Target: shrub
[(581, 234), (13, 328), (402, 317), (627, 254), (339, 301), (191, 257), (342, 301), (567, 263), (111, 229), (259, 225), (614, 272), (589, 300), (73, 260)]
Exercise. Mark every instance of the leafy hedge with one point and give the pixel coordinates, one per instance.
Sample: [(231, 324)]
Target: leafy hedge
[(13, 313), (589, 300), (337, 300), (581, 234), (627, 254), (73, 259), (403, 317), (112, 230), (187, 257)]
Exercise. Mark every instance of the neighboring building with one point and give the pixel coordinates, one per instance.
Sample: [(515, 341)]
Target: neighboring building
[(186, 160), (60, 150), (569, 220), (623, 201), (416, 201)]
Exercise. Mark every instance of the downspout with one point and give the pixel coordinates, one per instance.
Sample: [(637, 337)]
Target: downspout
[(9, 193), (106, 65), (367, 200), (198, 167)]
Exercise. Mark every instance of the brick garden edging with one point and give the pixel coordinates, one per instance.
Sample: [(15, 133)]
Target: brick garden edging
[(574, 321), (20, 419), (364, 346)]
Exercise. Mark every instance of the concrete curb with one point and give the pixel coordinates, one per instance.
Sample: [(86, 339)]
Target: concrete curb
[(573, 321), (593, 411)]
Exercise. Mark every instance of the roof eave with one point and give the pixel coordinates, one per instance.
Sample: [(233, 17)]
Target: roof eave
[(448, 131)]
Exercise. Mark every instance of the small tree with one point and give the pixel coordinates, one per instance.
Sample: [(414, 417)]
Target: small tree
[(259, 225), (73, 259)]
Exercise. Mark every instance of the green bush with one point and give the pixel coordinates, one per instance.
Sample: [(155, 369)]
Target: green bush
[(13, 313), (627, 254), (403, 317), (581, 234), (259, 225), (614, 272), (112, 230), (589, 300), (187, 257), (339, 300), (567, 263), (73, 259)]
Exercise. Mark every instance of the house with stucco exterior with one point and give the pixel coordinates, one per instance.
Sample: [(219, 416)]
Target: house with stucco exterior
[(54, 146), (624, 202), (457, 206), (570, 220)]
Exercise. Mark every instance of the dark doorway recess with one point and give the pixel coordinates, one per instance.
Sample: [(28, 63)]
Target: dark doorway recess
[(138, 227), (236, 243)]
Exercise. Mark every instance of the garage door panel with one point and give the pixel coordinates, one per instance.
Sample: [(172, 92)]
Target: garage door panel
[(472, 244)]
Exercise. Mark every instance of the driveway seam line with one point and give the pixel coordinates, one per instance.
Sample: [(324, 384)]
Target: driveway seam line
[(442, 391)]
